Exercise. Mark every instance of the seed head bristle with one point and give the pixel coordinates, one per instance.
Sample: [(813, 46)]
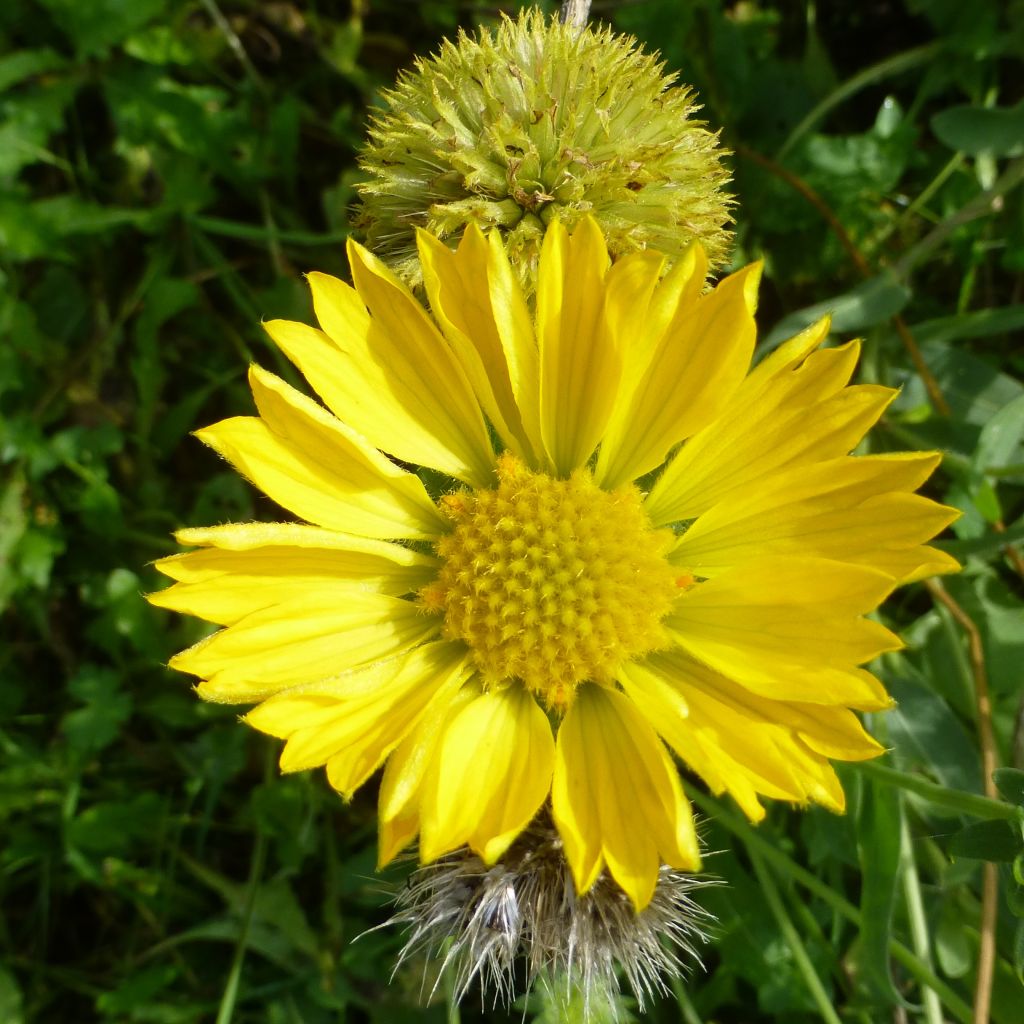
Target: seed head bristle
[(522, 918)]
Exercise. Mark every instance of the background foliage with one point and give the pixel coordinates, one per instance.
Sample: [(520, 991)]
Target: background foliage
[(168, 170)]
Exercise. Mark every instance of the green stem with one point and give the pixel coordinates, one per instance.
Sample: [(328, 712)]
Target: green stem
[(792, 937), (933, 186), (952, 799), (686, 1007), (916, 918), (919, 971), (230, 996), (980, 206), (896, 223), (453, 1016), (252, 233), (883, 69)]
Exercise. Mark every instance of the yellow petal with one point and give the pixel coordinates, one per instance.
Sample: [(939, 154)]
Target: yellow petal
[(327, 367), (932, 562), (354, 368), (789, 358), (402, 782), (313, 465), (678, 290), (403, 355), (742, 743), (791, 410), (835, 730), (354, 722), (458, 286), (239, 537), (698, 364), (665, 708), (790, 629), (518, 340), (328, 630), (248, 566), (579, 365), (616, 796), (491, 774), (636, 309), (850, 509)]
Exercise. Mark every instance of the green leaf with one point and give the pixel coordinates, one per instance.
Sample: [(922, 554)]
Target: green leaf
[(976, 389), (136, 991), (1010, 783), (13, 523), (951, 945), (27, 124), (976, 130), (878, 839), (1000, 444), (867, 304), (988, 840), (162, 44), (37, 229), (11, 1007), (16, 67), (97, 25), (981, 323), (166, 299), (925, 733), (114, 827), (983, 547), (95, 726)]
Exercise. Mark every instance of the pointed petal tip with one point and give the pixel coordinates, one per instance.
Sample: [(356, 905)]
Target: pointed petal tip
[(752, 283), (354, 250), (433, 848), (387, 852)]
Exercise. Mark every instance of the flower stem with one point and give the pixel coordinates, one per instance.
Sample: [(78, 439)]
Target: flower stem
[(792, 937), (451, 994), (916, 918), (953, 799), (574, 13), (989, 763), (226, 1010), (921, 973), (686, 1007)]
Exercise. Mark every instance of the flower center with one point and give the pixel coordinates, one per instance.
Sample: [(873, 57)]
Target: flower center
[(552, 582)]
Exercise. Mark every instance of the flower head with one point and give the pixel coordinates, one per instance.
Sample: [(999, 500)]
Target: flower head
[(536, 121), (640, 546)]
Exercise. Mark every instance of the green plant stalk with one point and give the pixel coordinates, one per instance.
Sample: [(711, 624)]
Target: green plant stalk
[(919, 971), (686, 1007), (918, 204), (792, 937), (916, 918), (980, 206), (883, 69), (262, 235), (452, 1016), (932, 187), (230, 996), (952, 799)]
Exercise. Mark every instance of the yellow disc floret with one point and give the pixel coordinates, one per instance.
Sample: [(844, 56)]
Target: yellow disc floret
[(551, 582)]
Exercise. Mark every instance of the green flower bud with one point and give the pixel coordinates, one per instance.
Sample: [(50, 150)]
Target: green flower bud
[(538, 120)]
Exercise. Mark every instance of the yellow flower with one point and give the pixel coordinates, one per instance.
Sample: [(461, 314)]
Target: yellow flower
[(667, 552)]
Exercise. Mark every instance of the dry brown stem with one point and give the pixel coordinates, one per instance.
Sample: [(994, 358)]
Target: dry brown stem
[(989, 763)]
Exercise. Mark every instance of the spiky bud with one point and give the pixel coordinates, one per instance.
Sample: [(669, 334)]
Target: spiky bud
[(483, 922), (537, 120)]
